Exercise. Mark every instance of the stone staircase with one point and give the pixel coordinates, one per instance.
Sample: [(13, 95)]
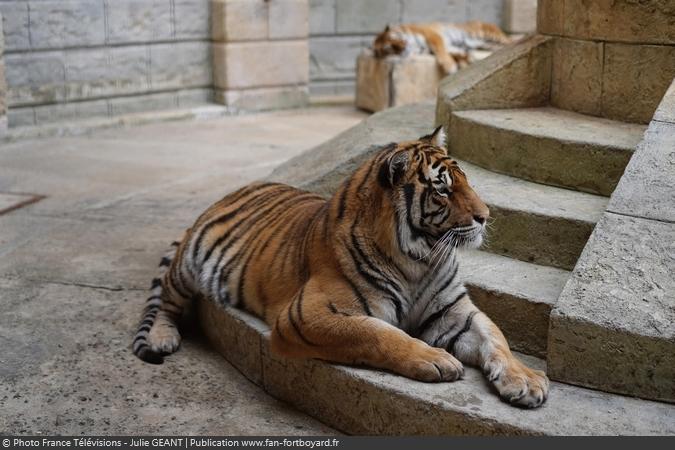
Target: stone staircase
[(516, 280)]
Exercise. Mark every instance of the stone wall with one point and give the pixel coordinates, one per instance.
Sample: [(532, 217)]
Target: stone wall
[(340, 29), (3, 85), (69, 59)]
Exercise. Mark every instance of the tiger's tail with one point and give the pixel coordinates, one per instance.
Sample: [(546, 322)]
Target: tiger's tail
[(141, 345)]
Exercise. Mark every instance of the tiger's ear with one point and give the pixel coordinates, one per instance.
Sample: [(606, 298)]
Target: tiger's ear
[(393, 169), (436, 138), (387, 28)]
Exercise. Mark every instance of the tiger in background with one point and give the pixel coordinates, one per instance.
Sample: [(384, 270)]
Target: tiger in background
[(449, 43), (368, 277)]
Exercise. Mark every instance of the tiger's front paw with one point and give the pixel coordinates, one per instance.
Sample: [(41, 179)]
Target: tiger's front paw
[(518, 384), (433, 365)]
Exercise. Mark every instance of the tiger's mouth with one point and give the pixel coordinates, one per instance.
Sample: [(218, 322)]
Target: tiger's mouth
[(464, 236)]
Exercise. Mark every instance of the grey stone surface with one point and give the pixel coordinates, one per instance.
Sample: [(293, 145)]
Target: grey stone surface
[(357, 16), (147, 102), (138, 21), (547, 145), (19, 117), (15, 17), (517, 76), (520, 16), (334, 57), (614, 325), (624, 77), (180, 65), (70, 111), (192, 19), (77, 375), (193, 97), (322, 16), (66, 23), (516, 295), (264, 99), (370, 402), (438, 10), (576, 81), (485, 10), (288, 19), (666, 109), (647, 188), (329, 88), (35, 78)]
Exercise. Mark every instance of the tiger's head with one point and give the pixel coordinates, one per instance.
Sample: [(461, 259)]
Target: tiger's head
[(432, 199), (386, 43)]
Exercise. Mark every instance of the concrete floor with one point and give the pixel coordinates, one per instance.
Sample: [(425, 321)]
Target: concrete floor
[(74, 268)]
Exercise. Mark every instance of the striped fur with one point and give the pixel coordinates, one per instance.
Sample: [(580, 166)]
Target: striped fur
[(449, 43), (366, 277)]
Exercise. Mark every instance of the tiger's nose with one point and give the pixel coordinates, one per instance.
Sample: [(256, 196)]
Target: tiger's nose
[(480, 218)]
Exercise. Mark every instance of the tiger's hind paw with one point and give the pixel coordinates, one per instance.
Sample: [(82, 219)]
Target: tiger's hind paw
[(164, 339)]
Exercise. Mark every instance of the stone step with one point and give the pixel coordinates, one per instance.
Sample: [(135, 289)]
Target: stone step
[(513, 293), (546, 145), (533, 222), (371, 402)]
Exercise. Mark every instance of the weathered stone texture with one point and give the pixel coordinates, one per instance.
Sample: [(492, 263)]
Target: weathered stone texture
[(66, 23), (395, 81), (629, 92), (520, 16), (550, 17), (261, 99), (148, 102), (547, 145), (443, 10), (486, 10), (288, 19), (258, 64), (70, 111), (577, 75), (620, 20), (666, 110), (358, 16), (614, 325), (334, 57), (192, 19), (322, 16), (180, 65), (139, 21), (15, 15), (235, 20), (513, 77), (647, 188), (35, 78)]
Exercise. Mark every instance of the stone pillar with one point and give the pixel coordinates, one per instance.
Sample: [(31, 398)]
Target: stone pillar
[(601, 50), (520, 16), (3, 84), (260, 53)]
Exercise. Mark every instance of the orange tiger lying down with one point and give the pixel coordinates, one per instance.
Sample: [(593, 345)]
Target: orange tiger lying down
[(367, 277), (449, 43)]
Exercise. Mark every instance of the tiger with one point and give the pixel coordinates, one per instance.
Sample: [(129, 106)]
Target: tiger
[(449, 43), (367, 277)]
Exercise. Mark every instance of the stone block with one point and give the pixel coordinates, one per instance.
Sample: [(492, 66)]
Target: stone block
[(651, 22), (15, 17), (195, 97), (577, 75), (139, 21), (613, 328), (520, 16), (241, 334), (3, 87), (180, 65), (634, 80), (192, 19), (21, 117), (334, 57), (66, 23), (35, 78), (485, 10), (288, 19), (647, 188), (322, 17), (383, 83), (357, 16), (141, 103), (70, 111), (416, 11), (262, 99), (666, 110), (238, 20), (550, 18), (517, 76), (332, 88), (260, 64)]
